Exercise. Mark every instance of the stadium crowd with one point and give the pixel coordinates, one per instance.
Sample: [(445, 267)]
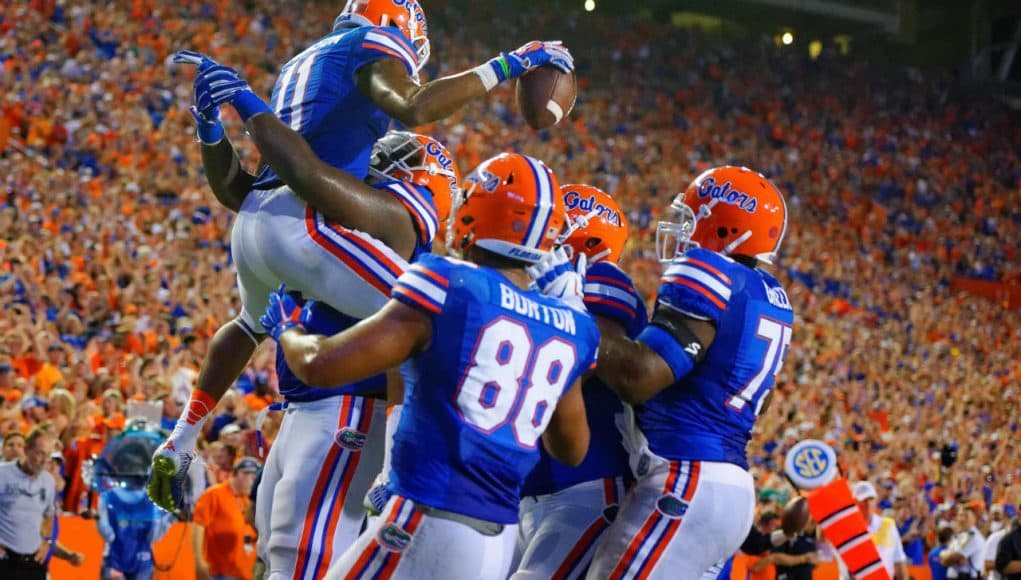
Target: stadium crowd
[(114, 269)]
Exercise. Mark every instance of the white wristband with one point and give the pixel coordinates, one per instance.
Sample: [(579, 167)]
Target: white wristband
[(487, 75)]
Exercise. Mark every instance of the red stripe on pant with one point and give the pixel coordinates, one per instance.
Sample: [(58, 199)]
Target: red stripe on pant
[(394, 558), (585, 542), (628, 560), (364, 424), (373, 547), (323, 481)]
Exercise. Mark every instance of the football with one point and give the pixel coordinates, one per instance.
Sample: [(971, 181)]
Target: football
[(795, 516), (545, 96)]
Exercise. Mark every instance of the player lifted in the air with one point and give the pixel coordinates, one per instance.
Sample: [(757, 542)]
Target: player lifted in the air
[(697, 377), (320, 467), (493, 367), (565, 510), (340, 95)]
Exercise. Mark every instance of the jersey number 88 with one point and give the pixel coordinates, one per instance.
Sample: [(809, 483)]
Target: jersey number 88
[(511, 380)]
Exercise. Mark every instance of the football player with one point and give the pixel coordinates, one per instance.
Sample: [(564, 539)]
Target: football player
[(306, 516), (566, 509), (493, 367), (698, 376), (340, 94)]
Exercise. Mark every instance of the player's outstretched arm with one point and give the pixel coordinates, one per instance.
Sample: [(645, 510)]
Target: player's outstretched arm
[(387, 82), (382, 341), (228, 180), (665, 351), (567, 436), (338, 195)]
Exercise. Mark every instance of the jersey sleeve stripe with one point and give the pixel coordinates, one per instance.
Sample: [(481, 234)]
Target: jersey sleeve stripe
[(700, 276), (396, 38), (437, 278), (421, 210), (610, 281), (423, 285), (387, 51), (708, 294), (591, 300), (708, 267), (415, 193), (376, 40), (369, 261), (606, 291), (414, 299)]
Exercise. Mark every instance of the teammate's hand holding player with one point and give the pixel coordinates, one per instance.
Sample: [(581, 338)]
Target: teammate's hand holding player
[(556, 276), (282, 314)]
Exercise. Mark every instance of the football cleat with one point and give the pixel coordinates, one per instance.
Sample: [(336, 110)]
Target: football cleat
[(169, 476)]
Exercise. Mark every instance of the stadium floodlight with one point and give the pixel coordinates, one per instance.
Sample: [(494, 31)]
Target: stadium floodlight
[(590, 5), (787, 39)]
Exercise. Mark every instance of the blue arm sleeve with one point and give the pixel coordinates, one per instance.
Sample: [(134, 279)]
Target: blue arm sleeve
[(672, 353)]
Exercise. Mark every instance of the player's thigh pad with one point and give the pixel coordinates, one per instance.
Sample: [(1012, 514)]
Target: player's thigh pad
[(678, 521)]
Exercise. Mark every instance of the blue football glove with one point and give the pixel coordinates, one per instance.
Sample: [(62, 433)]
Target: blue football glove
[(510, 65), (207, 125), (196, 58), (306, 313), (207, 119), (217, 84), (555, 276), (282, 314)]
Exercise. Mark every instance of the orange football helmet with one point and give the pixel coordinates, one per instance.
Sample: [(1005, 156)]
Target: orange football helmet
[(406, 15), (596, 226), (418, 159), (420, 35), (511, 206), (730, 210)]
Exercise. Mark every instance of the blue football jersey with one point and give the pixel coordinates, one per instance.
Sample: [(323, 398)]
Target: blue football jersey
[(480, 396), (316, 94), (609, 293), (328, 321), (708, 414)]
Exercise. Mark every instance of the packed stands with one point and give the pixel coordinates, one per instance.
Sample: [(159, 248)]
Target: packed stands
[(114, 269)]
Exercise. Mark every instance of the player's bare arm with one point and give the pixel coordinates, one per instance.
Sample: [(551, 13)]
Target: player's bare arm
[(338, 195), (374, 345), (387, 82), (635, 371), (226, 176), (341, 197), (567, 436)]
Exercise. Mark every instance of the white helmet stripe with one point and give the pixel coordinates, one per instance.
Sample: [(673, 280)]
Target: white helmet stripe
[(544, 209)]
